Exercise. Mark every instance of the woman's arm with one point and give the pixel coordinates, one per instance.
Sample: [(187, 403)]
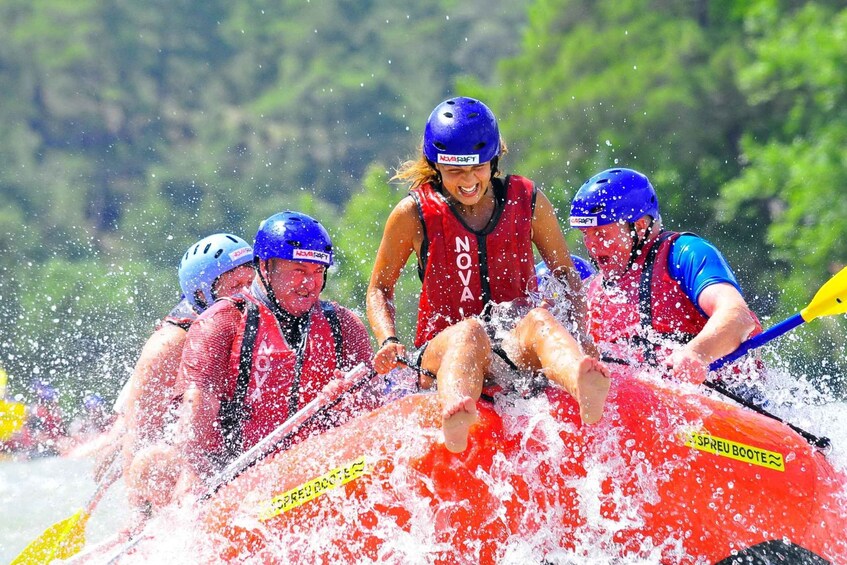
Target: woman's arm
[(402, 236), (550, 241)]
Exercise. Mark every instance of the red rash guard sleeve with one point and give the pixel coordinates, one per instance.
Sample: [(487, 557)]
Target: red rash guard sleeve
[(208, 347), (357, 343)]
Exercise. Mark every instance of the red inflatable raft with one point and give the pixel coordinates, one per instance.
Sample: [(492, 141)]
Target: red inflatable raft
[(666, 477)]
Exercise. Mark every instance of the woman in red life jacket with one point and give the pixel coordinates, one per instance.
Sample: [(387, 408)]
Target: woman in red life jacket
[(473, 234), (656, 287)]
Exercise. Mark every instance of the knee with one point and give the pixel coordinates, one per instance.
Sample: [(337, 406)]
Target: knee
[(537, 319), (470, 333)]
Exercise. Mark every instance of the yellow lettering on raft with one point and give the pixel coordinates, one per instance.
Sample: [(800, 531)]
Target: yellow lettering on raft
[(734, 450), (312, 489)]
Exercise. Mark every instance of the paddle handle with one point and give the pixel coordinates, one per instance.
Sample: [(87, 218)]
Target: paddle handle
[(112, 474), (821, 442), (353, 379), (770, 334)]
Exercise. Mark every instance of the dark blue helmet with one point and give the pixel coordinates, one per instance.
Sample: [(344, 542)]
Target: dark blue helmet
[(615, 195), (583, 267), (93, 401), (461, 131), (295, 237), (45, 391)]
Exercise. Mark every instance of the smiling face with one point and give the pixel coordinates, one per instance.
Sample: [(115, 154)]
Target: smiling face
[(466, 184), (296, 284), (610, 247)]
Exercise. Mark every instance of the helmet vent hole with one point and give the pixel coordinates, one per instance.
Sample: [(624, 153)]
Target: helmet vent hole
[(232, 239), (451, 102), (473, 114), (293, 243), (219, 253), (596, 209), (479, 146), (602, 181), (206, 249), (448, 114), (440, 146)]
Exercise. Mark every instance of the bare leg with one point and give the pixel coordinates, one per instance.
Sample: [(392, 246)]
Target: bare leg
[(544, 343), (459, 356)]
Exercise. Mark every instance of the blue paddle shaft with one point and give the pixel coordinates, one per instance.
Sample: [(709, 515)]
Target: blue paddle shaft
[(759, 340)]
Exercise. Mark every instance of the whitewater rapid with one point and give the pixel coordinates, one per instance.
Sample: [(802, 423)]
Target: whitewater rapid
[(36, 494)]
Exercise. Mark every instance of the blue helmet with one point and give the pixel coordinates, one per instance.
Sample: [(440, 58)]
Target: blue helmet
[(461, 131), (615, 195), (295, 237), (583, 267), (44, 391), (205, 261), (93, 401)]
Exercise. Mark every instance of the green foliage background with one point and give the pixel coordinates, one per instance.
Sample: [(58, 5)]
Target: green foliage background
[(130, 129)]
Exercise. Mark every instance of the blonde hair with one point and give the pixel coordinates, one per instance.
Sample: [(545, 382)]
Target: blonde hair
[(417, 172)]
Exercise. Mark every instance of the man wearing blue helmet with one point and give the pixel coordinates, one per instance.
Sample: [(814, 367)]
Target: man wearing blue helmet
[(252, 361), (656, 287), (473, 235)]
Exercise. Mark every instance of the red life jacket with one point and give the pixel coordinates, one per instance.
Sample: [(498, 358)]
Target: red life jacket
[(645, 297), (463, 269), (272, 379)]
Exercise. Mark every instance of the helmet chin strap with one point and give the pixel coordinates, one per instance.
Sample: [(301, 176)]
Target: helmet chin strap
[(268, 289), (638, 242)]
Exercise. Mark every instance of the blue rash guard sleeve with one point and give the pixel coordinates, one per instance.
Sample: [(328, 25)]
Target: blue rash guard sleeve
[(696, 264)]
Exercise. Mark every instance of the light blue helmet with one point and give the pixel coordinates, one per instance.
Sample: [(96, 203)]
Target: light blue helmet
[(205, 261)]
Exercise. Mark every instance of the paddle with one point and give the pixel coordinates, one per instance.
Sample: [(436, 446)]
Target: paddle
[(352, 380), (12, 418), (66, 538), (830, 299)]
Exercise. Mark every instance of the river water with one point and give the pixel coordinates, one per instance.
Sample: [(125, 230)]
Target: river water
[(36, 494)]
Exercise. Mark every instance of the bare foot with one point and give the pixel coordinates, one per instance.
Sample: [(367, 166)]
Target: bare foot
[(456, 423), (592, 387)]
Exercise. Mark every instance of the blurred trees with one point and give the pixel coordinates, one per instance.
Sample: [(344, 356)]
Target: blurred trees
[(129, 130), (734, 109)]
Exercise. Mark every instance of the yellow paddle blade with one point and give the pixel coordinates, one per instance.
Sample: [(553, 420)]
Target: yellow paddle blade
[(12, 418), (61, 540), (830, 300)]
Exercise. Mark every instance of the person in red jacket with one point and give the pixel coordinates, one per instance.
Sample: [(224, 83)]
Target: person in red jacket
[(669, 297), (250, 362), (473, 234)]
